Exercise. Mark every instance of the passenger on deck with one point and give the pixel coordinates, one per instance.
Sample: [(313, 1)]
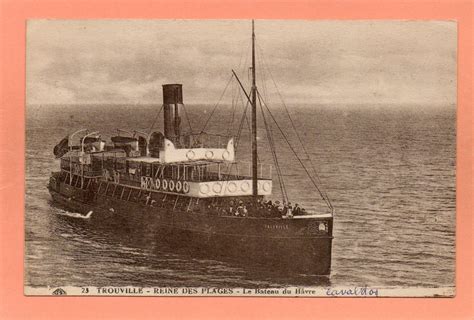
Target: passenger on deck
[(286, 213), (244, 212), (268, 209), (276, 210), (231, 208), (240, 209), (296, 210)]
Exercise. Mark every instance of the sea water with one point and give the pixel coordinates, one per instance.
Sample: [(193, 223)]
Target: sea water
[(389, 171)]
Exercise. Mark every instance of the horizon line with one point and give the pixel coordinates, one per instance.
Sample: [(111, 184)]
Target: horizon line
[(229, 104)]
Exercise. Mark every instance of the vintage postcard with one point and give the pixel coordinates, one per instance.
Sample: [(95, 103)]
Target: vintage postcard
[(275, 158)]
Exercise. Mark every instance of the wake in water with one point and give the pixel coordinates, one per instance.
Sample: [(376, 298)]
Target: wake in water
[(74, 214)]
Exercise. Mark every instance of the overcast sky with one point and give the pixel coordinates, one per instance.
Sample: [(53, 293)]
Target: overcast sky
[(127, 61)]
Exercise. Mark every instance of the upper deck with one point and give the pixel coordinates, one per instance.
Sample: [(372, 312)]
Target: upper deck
[(200, 171)]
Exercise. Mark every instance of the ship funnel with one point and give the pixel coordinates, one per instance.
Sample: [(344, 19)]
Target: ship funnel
[(172, 98)]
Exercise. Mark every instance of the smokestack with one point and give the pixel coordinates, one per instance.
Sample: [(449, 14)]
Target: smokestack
[(172, 97)]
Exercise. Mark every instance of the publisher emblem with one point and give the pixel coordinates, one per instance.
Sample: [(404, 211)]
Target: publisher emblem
[(59, 292)]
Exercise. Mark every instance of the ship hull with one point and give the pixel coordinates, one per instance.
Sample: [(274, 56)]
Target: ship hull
[(293, 245)]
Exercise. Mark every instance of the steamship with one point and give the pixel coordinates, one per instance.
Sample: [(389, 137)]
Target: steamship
[(191, 190)]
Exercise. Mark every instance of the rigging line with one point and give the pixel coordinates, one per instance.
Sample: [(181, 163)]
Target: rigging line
[(247, 49), (248, 101), (243, 108), (328, 203), (236, 90), (323, 197), (156, 118), (277, 164), (187, 118), (307, 172), (294, 126), (263, 72), (246, 95), (245, 115), (215, 107), (230, 126), (272, 149), (288, 113), (232, 108), (235, 95), (241, 125), (275, 158)]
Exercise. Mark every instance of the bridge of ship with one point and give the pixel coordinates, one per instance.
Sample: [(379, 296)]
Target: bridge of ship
[(199, 172)]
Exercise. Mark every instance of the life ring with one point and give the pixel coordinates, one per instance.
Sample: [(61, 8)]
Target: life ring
[(217, 187), (226, 155), (204, 188), (185, 187), (232, 187), (209, 154), (245, 186), (164, 184), (190, 154), (171, 185), (157, 184), (179, 186), (266, 186)]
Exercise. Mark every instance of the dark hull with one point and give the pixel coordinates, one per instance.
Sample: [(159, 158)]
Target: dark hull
[(284, 244)]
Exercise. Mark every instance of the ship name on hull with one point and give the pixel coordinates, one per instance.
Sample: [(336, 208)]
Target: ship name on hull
[(276, 226)]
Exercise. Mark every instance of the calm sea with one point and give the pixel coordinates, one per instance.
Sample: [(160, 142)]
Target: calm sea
[(389, 171)]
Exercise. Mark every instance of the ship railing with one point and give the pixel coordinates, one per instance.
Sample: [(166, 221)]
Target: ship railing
[(224, 171), (201, 173), (78, 168), (242, 169), (85, 173), (204, 140)]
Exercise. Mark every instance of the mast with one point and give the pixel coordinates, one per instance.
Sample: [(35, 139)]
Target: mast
[(254, 121)]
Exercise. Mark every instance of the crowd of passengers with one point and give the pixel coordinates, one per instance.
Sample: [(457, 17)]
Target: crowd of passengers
[(267, 209), (263, 208)]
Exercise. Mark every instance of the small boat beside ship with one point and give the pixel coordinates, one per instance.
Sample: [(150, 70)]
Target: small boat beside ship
[(193, 191)]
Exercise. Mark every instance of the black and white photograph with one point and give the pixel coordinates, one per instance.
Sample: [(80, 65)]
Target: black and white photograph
[(276, 158)]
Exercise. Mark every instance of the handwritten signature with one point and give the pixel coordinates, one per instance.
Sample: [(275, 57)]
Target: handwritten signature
[(353, 292)]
